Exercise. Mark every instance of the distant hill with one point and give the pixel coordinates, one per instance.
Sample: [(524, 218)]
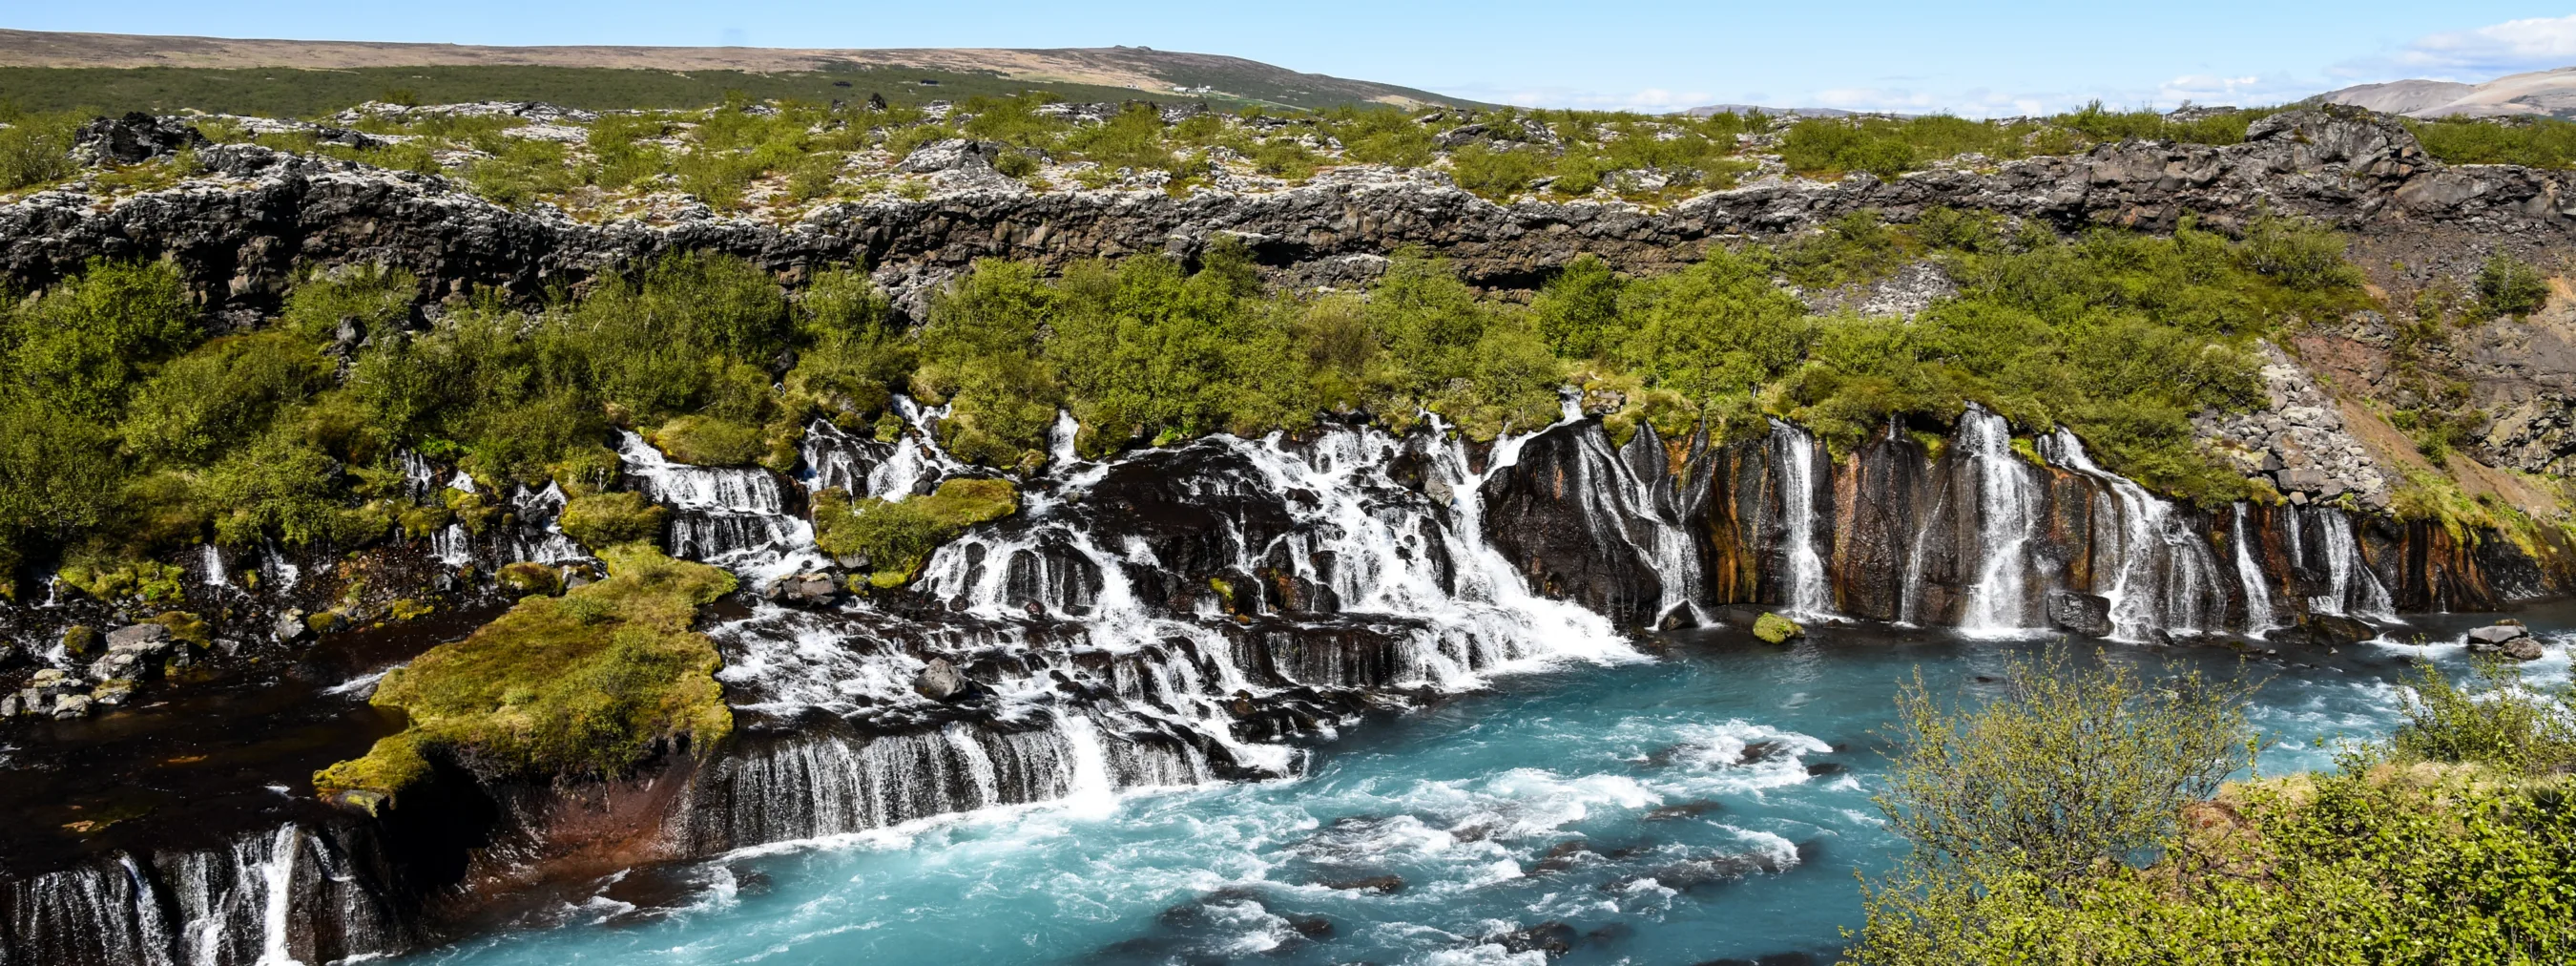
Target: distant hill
[(2544, 93), (1134, 70), (1772, 111)]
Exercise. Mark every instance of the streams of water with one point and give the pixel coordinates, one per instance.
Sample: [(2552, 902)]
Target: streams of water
[(1811, 595), (2007, 515), (1717, 799)]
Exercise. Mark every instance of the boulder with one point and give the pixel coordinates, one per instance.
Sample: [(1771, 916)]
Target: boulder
[(2075, 613), (290, 626), (2505, 639), (134, 138), (32, 701), (113, 692), (118, 664), (941, 681), (1775, 629), (71, 706), (1385, 885), (79, 640), (52, 681), (149, 639), (808, 589), (1553, 938), (9, 706), (2322, 630)]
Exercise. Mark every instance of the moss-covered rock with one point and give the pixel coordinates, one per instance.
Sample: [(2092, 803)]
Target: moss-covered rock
[(710, 441), (185, 628), (1775, 629), (530, 578), (80, 640), (894, 539), (610, 519), (587, 685)]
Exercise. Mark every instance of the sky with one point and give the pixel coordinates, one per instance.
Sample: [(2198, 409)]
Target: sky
[(1988, 59)]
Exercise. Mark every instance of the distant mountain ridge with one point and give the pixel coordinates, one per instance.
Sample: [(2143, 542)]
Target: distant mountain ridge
[(2541, 93), (1140, 68)]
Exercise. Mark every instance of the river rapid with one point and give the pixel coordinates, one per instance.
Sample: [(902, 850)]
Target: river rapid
[(1708, 802)]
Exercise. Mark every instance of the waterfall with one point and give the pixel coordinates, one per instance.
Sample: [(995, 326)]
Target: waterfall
[(1141, 622), (213, 561), (2008, 515), (275, 897), (2258, 596), (2351, 588), (1811, 594), (2167, 575), (278, 878), (730, 516)]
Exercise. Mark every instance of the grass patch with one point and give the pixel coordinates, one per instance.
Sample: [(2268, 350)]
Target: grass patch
[(590, 684), (610, 519), (895, 539)]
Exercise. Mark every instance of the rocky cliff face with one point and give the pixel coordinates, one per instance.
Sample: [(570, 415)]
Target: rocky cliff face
[(239, 232)]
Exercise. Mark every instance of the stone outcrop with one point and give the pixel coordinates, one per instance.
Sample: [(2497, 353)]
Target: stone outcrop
[(2299, 442), (239, 232)]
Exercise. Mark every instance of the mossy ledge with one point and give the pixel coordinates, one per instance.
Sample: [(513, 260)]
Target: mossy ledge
[(893, 539), (587, 685)]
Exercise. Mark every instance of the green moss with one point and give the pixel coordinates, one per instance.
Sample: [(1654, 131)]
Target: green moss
[(80, 639), (149, 580), (406, 610), (524, 577), (894, 539), (588, 685), (185, 628), (709, 441), (1775, 629), (609, 519)]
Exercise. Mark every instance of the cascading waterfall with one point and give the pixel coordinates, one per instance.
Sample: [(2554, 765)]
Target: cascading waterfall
[(2167, 576), (1811, 593), (2258, 595), (1096, 681), (2352, 589), (280, 897), (721, 514), (2008, 515)]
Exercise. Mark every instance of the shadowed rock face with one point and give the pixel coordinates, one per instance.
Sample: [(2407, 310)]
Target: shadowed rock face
[(238, 236)]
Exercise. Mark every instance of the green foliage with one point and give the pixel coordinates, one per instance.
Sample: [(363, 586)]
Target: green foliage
[(2537, 142), (895, 538), (593, 683), (610, 519), (1831, 146), (2503, 722), (83, 344), (35, 149), (710, 441), (2509, 286), (1579, 308), (1379, 135), (1496, 173)]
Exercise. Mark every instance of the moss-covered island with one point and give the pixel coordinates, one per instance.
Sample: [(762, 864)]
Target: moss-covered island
[(589, 684)]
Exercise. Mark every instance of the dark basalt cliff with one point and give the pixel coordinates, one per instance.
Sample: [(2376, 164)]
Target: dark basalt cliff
[(239, 236)]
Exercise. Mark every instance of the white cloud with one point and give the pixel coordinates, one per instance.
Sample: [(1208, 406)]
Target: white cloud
[(2511, 47)]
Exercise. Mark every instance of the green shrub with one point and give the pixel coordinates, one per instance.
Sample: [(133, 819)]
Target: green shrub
[(2534, 142), (2504, 722), (1831, 146), (591, 684), (2509, 286), (609, 519), (35, 149), (1496, 173), (84, 343)]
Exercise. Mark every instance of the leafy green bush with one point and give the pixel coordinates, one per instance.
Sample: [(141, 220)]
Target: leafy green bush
[(2537, 142), (2504, 722), (1830, 146), (2509, 286), (1496, 173), (35, 148)]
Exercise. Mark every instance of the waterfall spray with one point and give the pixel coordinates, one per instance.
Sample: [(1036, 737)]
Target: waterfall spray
[(1811, 594), (2007, 510)]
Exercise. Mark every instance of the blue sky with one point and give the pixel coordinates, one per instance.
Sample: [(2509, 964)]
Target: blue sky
[(1983, 59)]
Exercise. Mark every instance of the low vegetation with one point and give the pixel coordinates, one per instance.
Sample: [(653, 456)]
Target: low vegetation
[(589, 684), (126, 431), (2078, 818), (892, 539)]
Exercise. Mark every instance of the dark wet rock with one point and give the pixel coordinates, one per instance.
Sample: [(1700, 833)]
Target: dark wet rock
[(806, 589), (1564, 855), (1550, 937), (1385, 885), (1311, 927), (2078, 613), (1760, 751), (941, 681), (1824, 768), (113, 692), (117, 664), (71, 706), (80, 640), (134, 138), (2322, 631), (53, 681), (1684, 810)]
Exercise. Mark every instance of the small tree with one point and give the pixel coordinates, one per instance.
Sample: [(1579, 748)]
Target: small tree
[(2510, 286), (2069, 772)]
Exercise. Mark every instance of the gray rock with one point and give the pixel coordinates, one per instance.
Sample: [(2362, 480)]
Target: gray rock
[(9, 706), (118, 664), (51, 681), (113, 693), (134, 138), (2086, 614), (2496, 634), (71, 706), (31, 701), (940, 681), (290, 626), (139, 639)]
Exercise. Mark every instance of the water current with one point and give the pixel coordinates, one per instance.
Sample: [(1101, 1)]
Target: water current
[(1710, 804)]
